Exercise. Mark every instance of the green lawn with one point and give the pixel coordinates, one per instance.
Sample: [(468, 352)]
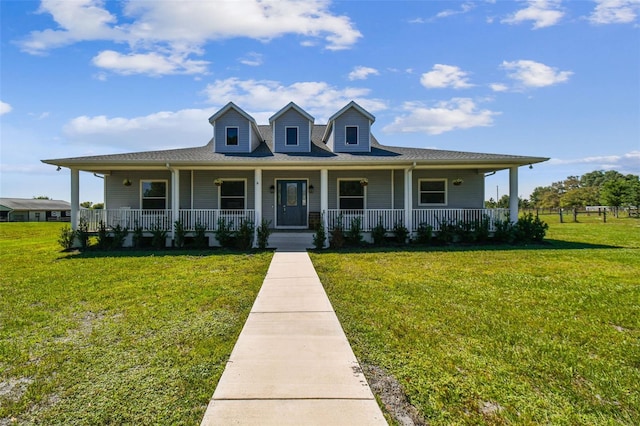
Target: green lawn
[(495, 335), (116, 337)]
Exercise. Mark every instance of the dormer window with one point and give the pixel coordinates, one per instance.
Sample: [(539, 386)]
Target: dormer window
[(351, 133), (291, 136), (232, 136)]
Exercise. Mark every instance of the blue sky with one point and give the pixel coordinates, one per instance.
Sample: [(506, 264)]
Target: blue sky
[(558, 79)]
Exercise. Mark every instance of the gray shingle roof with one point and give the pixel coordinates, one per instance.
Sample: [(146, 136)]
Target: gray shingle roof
[(320, 155), (33, 204)]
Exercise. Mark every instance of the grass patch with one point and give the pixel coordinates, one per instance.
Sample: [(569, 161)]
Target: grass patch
[(496, 335), (133, 337)]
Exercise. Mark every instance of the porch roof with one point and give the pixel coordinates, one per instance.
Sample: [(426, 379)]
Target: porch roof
[(320, 156)]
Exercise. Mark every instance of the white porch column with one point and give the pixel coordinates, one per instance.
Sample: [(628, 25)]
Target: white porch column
[(257, 174), (513, 194), (324, 197), (175, 199), (408, 198), (75, 198)]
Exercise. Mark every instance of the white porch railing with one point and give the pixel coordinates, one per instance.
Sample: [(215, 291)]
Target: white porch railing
[(149, 219), (210, 218), (437, 217), (369, 218), (433, 217)]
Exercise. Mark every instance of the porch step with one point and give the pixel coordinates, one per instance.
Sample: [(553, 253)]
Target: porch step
[(291, 240)]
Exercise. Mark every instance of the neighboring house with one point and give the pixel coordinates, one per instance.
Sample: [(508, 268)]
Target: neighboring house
[(34, 210), (292, 172)]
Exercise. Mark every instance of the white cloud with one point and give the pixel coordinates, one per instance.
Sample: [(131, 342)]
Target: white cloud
[(464, 8), (535, 74), (148, 63), (362, 73), (615, 11), (458, 113), (163, 35), (445, 76), (160, 130), (252, 59), (499, 87), (543, 13), (5, 108), (629, 161), (262, 98)]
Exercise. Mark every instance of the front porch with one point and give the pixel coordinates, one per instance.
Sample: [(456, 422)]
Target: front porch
[(148, 219)]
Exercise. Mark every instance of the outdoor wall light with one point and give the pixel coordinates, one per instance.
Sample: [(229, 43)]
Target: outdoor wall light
[(218, 182), (364, 181), (272, 189), (458, 182), (58, 169), (311, 188), (126, 182)]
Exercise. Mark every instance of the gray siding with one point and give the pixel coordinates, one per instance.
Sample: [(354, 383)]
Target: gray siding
[(377, 193), (292, 118), (117, 195), (469, 195), (185, 189), (398, 189), (245, 134), (351, 117), (206, 193)]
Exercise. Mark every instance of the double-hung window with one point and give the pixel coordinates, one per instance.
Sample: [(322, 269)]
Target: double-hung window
[(351, 135), (350, 195), (291, 136), (231, 136), (154, 194), (433, 192), (232, 195)]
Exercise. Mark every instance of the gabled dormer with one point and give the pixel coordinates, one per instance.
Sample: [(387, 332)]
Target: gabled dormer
[(234, 131), (349, 130), (291, 127)]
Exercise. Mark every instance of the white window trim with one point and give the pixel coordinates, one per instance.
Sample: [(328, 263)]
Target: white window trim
[(226, 135), (297, 135), (446, 191), (166, 193), (244, 207), (364, 193), (357, 135)]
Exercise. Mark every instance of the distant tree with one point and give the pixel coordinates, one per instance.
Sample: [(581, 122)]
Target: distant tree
[(491, 204), (41, 197), (632, 197), (86, 204), (98, 206)]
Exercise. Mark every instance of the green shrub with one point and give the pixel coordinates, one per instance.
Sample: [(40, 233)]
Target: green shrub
[(504, 232), (82, 233), (199, 236), (67, 237), (223, 233), (138, 235), (320, 237), (379, 233), (529, 229), (481, 229), (424, 233), (158, 236), (103, 236), (243, 237), (263, 234), (119, 236), (448, 233), (336, 235), (179, 234), (400, 232), (353, 236)]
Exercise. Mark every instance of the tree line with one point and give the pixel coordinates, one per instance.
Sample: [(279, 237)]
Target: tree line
[(598, 188)]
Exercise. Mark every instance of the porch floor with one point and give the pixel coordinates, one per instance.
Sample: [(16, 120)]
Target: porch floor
[(292, 363), (292, 241)]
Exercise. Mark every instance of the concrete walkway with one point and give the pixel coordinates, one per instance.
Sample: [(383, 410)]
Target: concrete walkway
[(292, 363)]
